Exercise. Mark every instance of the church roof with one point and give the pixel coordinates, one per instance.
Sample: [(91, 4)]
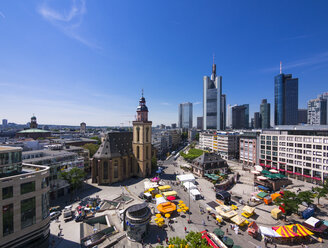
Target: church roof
[(116, 144)]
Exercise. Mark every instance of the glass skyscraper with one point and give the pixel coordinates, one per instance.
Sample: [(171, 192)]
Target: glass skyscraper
[(212, 102), (285, 100), (265, 114), (185, 115)]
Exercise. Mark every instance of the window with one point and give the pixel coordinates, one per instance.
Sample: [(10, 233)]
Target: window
[(7, 192), (147, 134), (116, 169), (45, 182), (27, 187), (45, 205), (138, 152), (8, 219), (27, 212), (124, 166), (131, 165), (138, 134), (105, 170), (146, 152)]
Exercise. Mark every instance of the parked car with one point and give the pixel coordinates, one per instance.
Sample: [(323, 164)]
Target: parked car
[(54, 215), (54, 209)]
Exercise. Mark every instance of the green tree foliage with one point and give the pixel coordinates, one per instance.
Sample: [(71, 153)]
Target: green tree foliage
[(195, 240), (184, 136), (97, 138), (197, 137), (306, 196), (154, 163), (320, 192), (289, 201), (74, 178), (93, 148), (192, 154)]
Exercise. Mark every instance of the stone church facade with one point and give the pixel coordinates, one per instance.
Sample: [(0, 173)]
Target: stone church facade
[(125, 154)]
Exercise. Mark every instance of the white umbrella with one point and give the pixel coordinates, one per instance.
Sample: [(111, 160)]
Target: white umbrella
[(258, 167), (261, 178), (274, 171), (256, 172)]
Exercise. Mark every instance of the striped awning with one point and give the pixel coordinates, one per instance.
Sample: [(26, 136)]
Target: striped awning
[(289, 231)]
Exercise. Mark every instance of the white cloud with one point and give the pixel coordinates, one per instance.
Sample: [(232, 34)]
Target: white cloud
[(165, 103), (196, 103), (69, 21)]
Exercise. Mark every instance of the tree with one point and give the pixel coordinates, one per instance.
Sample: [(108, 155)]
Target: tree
[(320, 192), (154, 163), (195, 240), (289, 202), (184, 136), (306, 196), (93, 148), (197, 137), (97, 138), (74, 178)]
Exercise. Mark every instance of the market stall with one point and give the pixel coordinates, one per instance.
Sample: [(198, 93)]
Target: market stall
[(238, 220), (186, 178), (164, 188), (248, 211), (170, 193), (166, 207)]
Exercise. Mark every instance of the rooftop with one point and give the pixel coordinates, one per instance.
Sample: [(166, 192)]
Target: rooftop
[(9, 149), (34, 130)]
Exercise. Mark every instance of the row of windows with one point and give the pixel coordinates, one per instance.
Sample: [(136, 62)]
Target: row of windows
[(8, 192), (138, 134)]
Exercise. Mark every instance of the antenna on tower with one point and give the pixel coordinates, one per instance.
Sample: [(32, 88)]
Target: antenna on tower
[(142, 92), (280, 67), (213, 57)]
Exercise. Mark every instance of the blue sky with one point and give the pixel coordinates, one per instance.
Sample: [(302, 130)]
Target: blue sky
[(73, 61)]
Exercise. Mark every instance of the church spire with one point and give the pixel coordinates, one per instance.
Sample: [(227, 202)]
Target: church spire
[(142, 110)]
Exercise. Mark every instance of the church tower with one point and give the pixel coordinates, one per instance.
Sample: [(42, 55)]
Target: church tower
[(33, 123), (142, 140)]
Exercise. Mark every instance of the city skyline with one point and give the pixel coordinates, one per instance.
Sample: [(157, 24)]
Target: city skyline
[(87, 61)]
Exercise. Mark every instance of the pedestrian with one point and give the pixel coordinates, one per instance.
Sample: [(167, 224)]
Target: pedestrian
[(167, 240), (203, 222), (265, 242), (208, 218), (185, 228), (231, 226), (59, 226), (227, 230)]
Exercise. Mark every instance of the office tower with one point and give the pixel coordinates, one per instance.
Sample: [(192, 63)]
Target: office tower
[(302, 116), (4, 122), (285, 99), (185, 115), (239, 117), (83, 128), (173, 125), (212, 101), (317, 111), (252, 123), (265, 114), (257, 120), (246, 125), (200, 123), (229, 115), (223, 111)]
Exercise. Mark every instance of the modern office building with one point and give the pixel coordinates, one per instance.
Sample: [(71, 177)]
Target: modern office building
[(285, 99), (265, 114), (83, 128), (212, 101), (24, 204), (246, 115), (302, 116), (200, 123), (185, 115), (173, 125), (298, 151), (4, 123), (239, 117), (223, 111), (257, 120), (229, 115), (317, 111)]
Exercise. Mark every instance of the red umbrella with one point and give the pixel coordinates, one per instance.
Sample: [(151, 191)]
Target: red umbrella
[(171, 198)]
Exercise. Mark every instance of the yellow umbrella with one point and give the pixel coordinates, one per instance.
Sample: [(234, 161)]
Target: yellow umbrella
[(186, 208), (161, 219), (158, 196), (151, 189), (180, 201), (179, 210), (158, 215), (167, 215)]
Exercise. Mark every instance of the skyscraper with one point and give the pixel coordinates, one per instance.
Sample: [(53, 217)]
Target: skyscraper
[(212, 101), (239, 117), (229, 115), (200, 123), (265, 114), (285, 99), (302, 116), (246, 125), (4, 122), (223, 111), (317, 111), (185, 115), (257, 120)]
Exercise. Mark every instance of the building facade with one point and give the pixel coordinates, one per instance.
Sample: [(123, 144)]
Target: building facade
[(285, 100), (257, 120), (209, 163), (185, 115), (317, 111), (299, 152), (83, 128), (24, 195), (248, 148), (212, 101), (265, 114), (302, 116), (239, 117), (200, 123)]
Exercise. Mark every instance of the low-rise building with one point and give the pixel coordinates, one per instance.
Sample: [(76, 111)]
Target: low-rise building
[(24, 194), (249, 148), (57, 161), (209, 163)]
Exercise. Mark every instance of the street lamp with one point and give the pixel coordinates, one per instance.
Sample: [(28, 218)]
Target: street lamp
[(189, 221)]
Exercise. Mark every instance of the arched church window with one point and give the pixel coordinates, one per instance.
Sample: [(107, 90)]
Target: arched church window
[(147, 134), (138, 134)]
